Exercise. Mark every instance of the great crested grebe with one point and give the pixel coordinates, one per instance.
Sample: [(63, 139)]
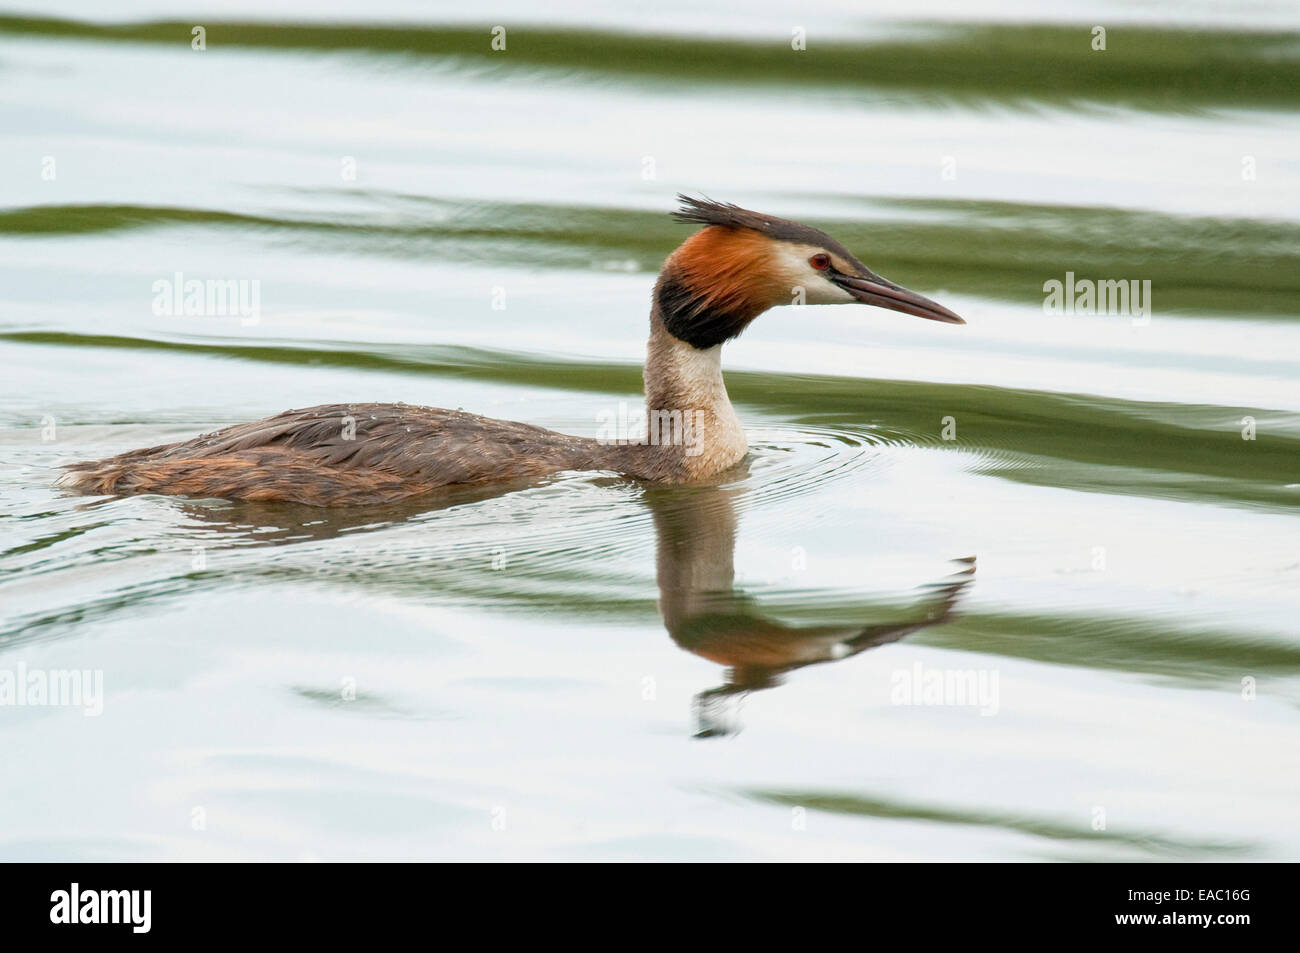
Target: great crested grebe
[(718, 281)]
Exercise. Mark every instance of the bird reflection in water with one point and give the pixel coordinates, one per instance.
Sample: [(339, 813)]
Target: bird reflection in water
[(705, 613)]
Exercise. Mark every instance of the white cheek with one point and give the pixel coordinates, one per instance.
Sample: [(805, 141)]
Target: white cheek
[(792, 262), (821, 291)]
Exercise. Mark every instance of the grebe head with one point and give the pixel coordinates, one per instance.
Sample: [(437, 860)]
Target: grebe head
[(742, 263)]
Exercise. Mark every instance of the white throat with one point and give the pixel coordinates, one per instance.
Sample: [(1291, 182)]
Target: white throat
[(682, 380)]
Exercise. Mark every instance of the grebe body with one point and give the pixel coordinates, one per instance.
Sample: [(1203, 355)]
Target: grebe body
[(719, 280)]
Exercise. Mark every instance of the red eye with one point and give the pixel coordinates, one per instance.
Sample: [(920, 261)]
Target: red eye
[(820, 262)]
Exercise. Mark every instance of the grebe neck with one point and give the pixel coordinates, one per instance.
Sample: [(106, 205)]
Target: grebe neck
[(688, 411)]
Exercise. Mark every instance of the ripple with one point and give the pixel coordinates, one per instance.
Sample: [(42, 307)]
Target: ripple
[(789, 463)]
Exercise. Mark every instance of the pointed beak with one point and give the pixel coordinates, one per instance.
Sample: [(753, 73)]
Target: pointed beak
[(883, 293)]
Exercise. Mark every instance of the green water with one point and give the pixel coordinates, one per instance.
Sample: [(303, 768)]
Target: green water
[(1062, 508)]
